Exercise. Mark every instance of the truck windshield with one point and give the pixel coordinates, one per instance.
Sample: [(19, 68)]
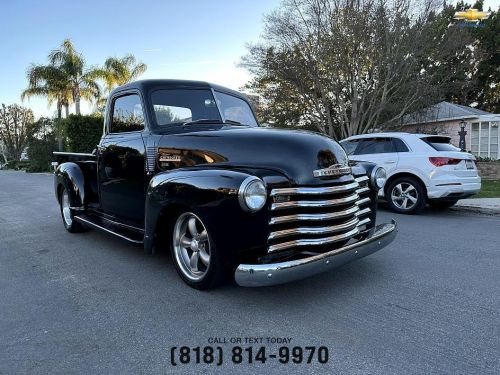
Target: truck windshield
[(198, 106), (176, 107)]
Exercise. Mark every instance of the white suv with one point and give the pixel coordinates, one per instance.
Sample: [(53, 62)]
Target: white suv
[(421, 168)]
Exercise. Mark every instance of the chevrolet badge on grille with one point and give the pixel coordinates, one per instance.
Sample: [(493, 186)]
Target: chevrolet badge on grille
[(332, 170)]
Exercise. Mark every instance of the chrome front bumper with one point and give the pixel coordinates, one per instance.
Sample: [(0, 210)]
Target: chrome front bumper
[(284, 272)]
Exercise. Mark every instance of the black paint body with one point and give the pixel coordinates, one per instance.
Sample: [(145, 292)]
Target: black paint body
[(125, 180)]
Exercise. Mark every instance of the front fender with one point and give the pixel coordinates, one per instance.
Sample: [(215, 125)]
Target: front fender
[(71, 177), (213, 195)]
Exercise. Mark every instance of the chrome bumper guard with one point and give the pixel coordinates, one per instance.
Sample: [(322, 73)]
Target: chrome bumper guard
[(253, 275)]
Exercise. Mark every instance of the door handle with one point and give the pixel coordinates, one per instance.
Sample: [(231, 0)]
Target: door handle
[(390, 162)]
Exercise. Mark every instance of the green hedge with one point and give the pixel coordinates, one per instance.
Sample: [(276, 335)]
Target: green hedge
[(40, 146), (83, 133), (17, 165)]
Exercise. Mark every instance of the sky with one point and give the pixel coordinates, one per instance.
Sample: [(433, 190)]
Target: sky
[(189, 39)]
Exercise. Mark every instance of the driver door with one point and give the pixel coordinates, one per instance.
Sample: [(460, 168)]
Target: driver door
[(121, 160)]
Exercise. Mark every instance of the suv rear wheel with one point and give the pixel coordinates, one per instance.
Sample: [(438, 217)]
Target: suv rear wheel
[(405, 195)]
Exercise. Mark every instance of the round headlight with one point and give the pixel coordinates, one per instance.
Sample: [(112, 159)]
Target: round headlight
[(379, 177), (252, 194)]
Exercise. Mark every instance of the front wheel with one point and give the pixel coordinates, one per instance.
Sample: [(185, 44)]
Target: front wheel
[(405, 195), (195, 256)]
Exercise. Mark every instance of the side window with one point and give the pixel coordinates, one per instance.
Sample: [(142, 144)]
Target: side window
[(399, 145), (374, 146), (127, 114)]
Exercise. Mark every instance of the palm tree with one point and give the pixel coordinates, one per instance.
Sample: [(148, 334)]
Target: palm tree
[(119, 71), (48, 81), (80, 80)]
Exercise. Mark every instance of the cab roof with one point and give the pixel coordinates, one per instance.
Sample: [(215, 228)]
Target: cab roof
[(147, 85)]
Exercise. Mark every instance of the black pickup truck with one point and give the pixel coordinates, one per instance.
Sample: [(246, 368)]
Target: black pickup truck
[(184, 166)]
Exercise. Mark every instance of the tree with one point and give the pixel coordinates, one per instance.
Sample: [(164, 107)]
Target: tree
[(16, 125), (50, 82), (119, 71), (79, 79), (345, 67)]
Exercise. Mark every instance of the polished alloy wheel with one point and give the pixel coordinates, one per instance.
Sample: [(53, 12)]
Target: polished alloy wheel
[(191, 246), (404, 196), (66, 210)]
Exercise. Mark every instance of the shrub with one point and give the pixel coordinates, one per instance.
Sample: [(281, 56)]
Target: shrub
[(83, 133), (17, 165), (41, 145)]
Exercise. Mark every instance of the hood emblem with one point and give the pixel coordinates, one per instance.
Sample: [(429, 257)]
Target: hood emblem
[(332, 170), (164, 157)]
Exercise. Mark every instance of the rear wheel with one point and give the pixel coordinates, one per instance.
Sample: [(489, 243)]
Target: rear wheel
[(406, 195), (195, 256), (442, 205), (70, 224)]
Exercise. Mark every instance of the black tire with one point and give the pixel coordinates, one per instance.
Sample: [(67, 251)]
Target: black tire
[(189, 242), (406, 195), (442, 205), (67, 215)]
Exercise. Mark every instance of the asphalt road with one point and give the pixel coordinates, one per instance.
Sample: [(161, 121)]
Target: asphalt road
[(92, 304)]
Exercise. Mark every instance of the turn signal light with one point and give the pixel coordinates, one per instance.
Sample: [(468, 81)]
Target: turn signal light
[(440, 161)]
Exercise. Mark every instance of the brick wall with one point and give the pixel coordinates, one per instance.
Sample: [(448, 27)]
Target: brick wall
[(489, 170)]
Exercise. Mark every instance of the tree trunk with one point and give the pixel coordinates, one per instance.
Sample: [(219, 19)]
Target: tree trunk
[(59, 137), (66, 110), (77, 101)]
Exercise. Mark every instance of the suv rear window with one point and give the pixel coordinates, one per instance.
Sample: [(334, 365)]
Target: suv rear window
[(440, 143)]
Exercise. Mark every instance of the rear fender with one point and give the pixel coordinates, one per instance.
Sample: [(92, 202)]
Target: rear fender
[(71, 177)]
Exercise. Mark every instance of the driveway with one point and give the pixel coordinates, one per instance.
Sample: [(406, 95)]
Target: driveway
[(92, 304)]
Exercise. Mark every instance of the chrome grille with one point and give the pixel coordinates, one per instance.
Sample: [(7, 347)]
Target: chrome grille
[(314, 217)]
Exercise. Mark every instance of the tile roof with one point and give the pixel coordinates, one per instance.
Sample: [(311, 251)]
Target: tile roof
[(441, 112)]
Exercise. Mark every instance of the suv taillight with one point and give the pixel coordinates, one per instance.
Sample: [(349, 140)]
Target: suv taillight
[(440, 161)]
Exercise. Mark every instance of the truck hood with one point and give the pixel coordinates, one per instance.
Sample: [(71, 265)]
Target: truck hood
[(295, 154)]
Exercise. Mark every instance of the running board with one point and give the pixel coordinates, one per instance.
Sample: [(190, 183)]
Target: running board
[(117, 229)]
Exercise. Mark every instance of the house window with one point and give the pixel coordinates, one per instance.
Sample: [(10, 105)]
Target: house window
[(484, 139)]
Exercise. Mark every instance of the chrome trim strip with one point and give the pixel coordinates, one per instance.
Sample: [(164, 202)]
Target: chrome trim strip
[(363, 190), (72, 153), (361, 179), (88, 222), (253, 275), (325, 203), (366, 220), (363, 201), (314, 190), (314, 217), (314, 230), (362, 212), (313, 242)]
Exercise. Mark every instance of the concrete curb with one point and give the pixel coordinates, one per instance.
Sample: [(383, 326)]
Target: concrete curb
[(490, 206)]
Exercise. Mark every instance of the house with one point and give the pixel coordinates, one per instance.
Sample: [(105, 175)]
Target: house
[(446, 118)]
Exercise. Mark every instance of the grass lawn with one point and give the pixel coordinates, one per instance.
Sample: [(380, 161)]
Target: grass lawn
[(489, 189)]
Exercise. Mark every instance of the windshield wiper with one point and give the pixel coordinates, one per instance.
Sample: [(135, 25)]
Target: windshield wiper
[(202, 121), (211, 121), (232, 122)]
